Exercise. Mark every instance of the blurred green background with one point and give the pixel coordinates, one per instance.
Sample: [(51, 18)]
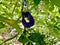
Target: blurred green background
[(46, 30)]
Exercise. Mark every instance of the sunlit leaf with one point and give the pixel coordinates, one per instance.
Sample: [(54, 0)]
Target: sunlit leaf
[(13, 23)]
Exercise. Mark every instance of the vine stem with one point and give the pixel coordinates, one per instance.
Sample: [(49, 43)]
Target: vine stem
[(9, 39)]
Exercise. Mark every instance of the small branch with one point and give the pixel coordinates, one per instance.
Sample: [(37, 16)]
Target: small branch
[(9, 39)]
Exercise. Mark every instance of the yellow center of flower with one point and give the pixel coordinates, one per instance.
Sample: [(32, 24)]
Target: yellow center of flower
[(26, 19)]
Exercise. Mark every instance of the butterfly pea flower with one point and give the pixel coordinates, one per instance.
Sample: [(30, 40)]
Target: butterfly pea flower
[(30, 18)]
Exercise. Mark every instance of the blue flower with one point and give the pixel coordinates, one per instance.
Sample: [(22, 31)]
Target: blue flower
[(30, 18)]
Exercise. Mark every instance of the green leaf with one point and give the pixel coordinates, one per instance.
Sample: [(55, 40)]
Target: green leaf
[(55, 33), (56, 2), (36, 37), (12, 23), (22, 39), (36, 2), (2, 25), (51, 7), (46, 1)]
